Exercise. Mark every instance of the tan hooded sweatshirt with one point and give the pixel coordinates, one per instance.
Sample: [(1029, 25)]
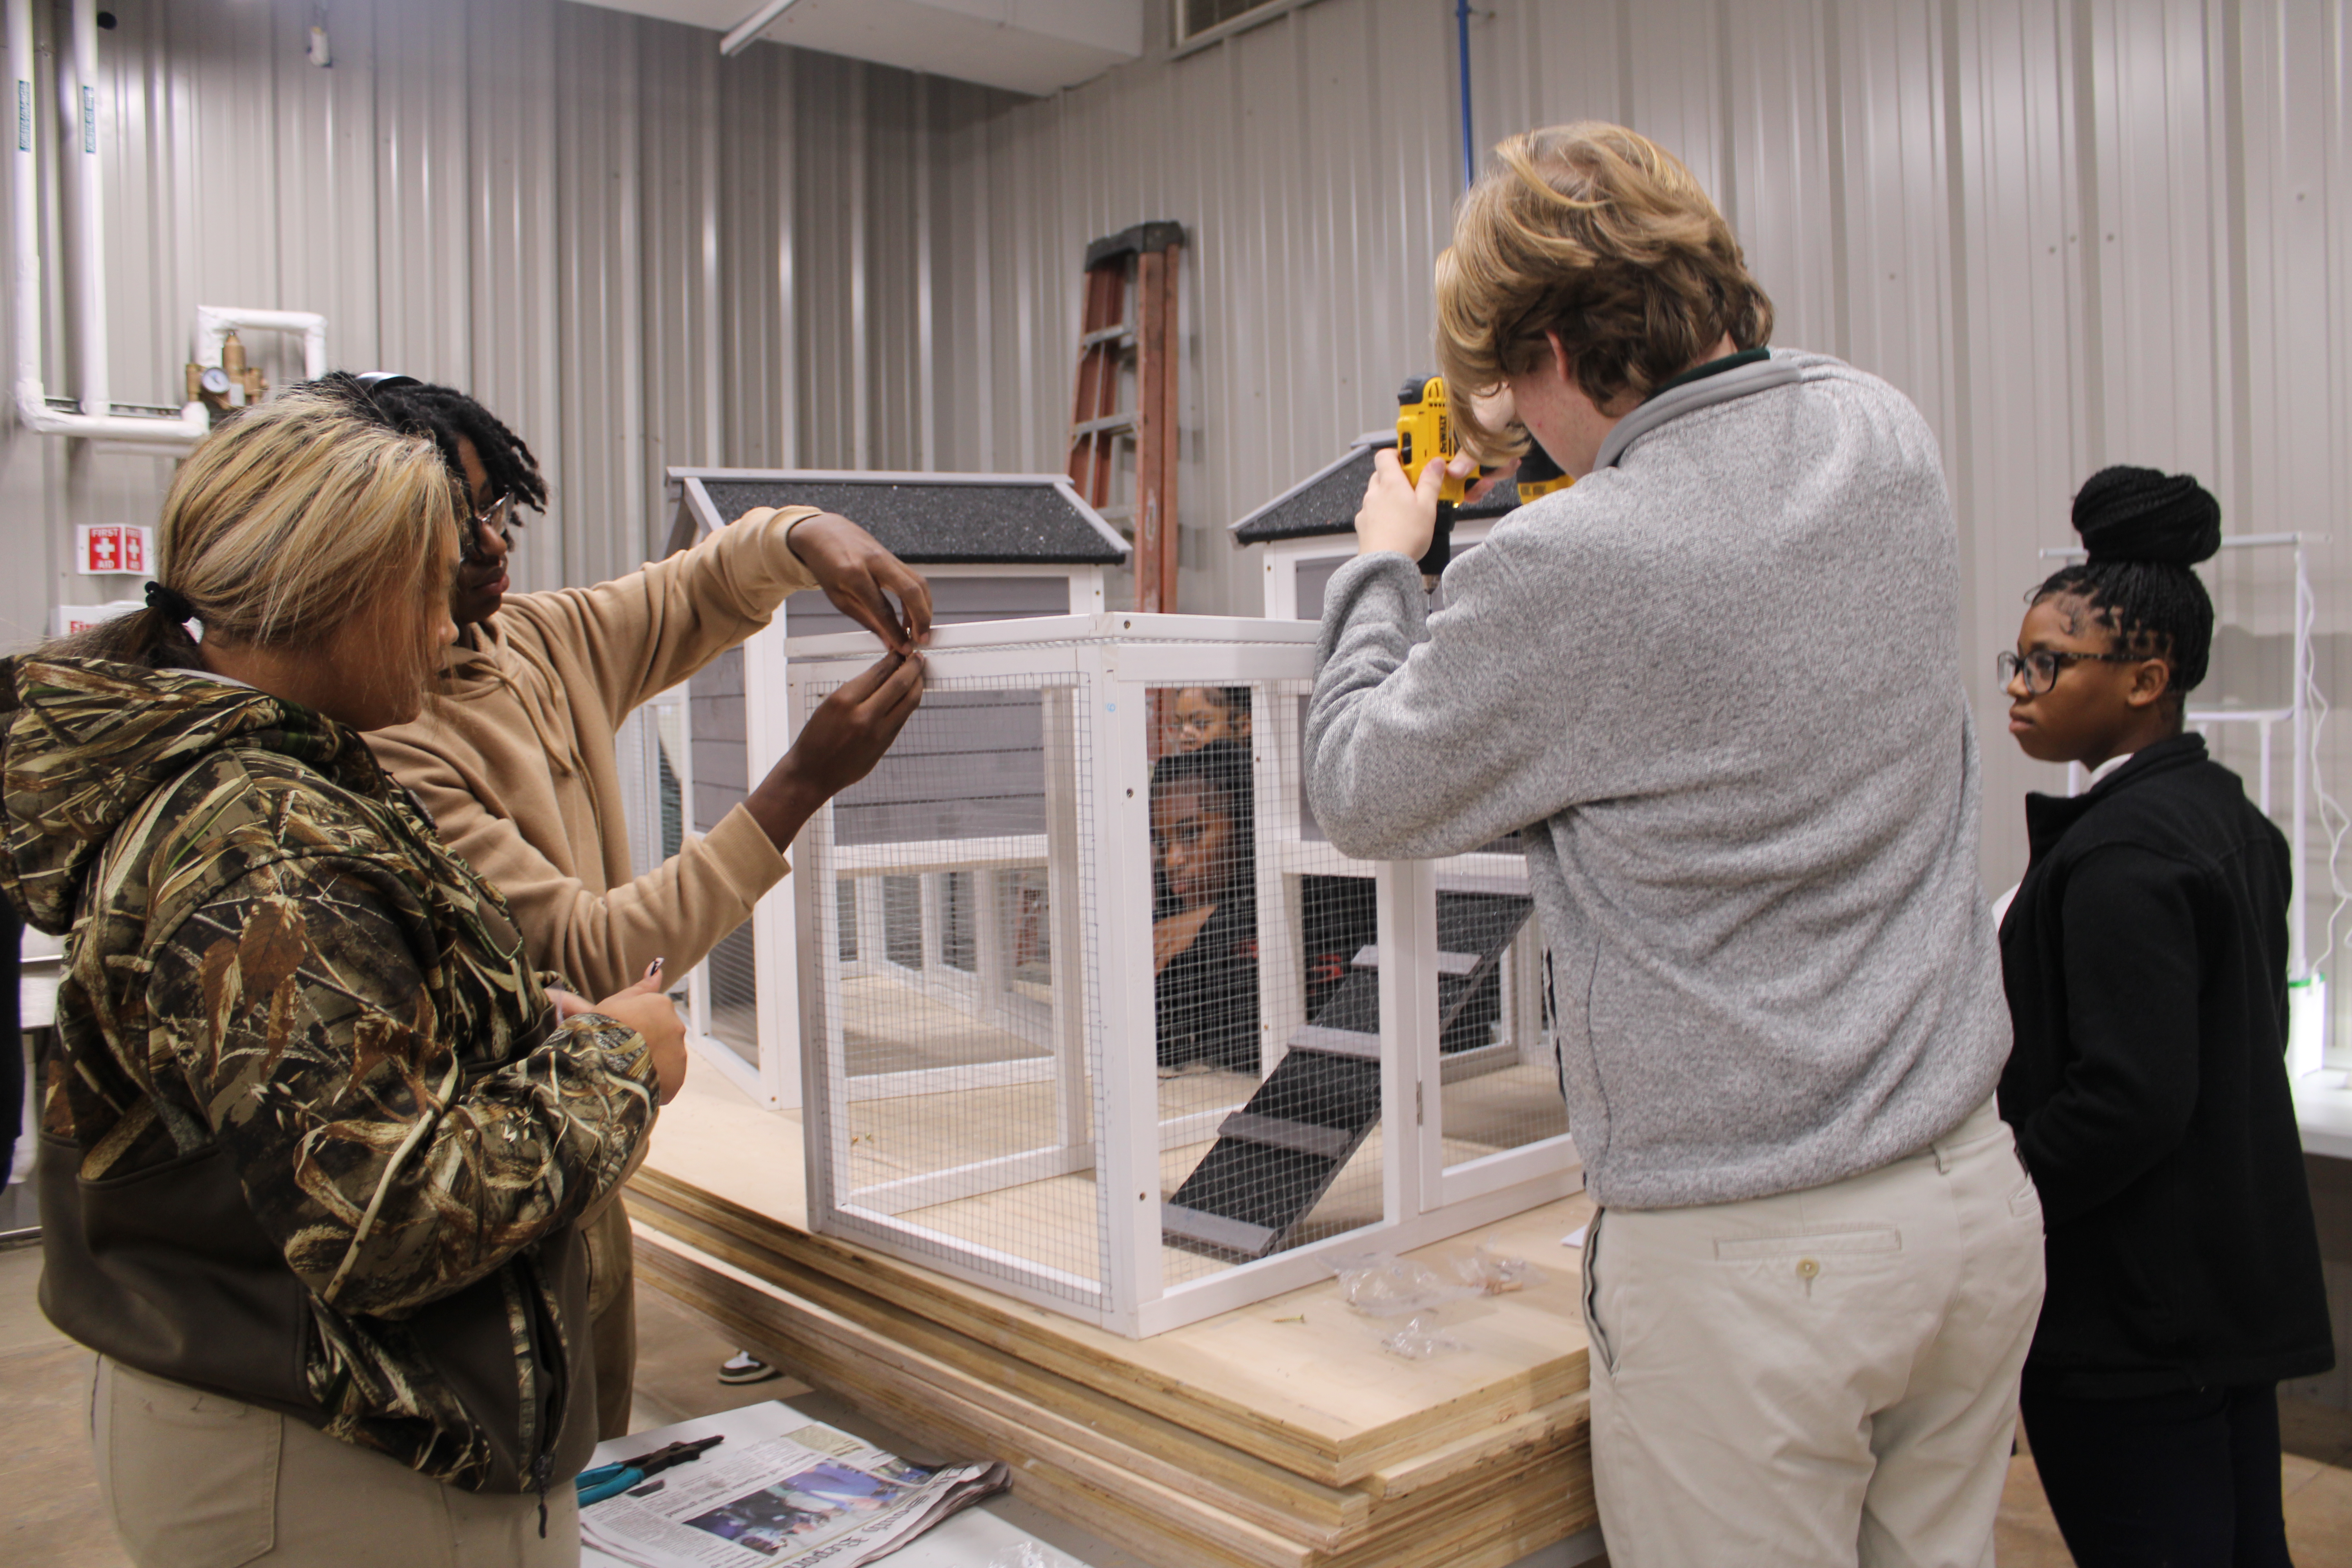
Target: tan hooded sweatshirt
[(514, 758)]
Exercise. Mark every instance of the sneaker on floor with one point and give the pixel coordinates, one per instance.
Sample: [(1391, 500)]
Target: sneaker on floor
[(745, 1367)]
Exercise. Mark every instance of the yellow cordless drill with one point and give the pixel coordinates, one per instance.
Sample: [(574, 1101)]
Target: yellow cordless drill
[(1426, 433)]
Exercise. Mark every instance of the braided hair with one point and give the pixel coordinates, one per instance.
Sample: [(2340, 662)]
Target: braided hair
[(2143, 532), (445, 413)]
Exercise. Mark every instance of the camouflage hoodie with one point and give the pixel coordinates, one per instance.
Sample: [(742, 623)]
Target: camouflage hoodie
[(271, 959)]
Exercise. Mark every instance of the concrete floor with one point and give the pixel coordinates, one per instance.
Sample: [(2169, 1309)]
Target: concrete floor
[(49, 1512)]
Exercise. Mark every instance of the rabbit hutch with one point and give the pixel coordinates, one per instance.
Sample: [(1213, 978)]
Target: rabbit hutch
[(1093, 1014)]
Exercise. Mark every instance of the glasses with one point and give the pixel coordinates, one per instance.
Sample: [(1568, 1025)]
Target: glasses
[(497, 517), (2042, 665)]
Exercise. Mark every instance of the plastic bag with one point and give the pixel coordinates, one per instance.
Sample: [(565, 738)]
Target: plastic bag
[(1419, 1340), (1383, 1285), (1493, 1274)]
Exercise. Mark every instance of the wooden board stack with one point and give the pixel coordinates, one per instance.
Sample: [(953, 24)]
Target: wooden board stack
[(1277, 1437)]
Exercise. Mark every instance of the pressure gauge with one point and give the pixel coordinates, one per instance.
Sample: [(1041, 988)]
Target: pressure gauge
[(214, 381)]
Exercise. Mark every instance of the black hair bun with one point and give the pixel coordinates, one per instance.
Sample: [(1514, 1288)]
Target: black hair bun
[(2138, 514)]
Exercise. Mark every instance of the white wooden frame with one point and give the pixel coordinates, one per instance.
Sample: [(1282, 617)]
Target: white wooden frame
[(771, 722), (985, 992), (1116, 661)]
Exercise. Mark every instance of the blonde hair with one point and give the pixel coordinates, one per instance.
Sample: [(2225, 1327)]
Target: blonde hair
[(1596, 233), (286, 522)]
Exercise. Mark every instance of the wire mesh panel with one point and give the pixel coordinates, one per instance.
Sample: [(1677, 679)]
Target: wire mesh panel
[(1267, 1032), (716, 728), (957, 1036), (650, 794), (1498, 1080), (1094, 1011), (649, 752)]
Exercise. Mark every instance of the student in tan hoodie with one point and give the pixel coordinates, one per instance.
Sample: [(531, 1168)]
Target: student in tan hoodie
[(515, 759)]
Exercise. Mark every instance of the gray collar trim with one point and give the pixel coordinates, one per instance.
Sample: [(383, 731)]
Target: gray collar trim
[(1692, 396)]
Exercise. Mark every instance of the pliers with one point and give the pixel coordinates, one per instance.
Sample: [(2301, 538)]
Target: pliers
[(612, 1481)]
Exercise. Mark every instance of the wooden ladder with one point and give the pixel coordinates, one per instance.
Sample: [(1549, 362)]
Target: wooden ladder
[(1098, 423)]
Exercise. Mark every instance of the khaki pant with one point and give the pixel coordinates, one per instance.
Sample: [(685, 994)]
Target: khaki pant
[(1823, 1378), (194, 1481)]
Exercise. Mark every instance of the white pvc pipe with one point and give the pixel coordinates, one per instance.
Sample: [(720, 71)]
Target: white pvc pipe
[(215, 323), (33, 410), (89, 217), (97, 420)]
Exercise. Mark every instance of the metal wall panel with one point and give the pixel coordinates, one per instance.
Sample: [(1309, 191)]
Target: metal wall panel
[(1927, 187), (2073, 231)]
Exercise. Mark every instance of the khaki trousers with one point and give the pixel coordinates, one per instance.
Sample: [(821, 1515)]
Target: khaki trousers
[(1818, 1378), (194, 1481)]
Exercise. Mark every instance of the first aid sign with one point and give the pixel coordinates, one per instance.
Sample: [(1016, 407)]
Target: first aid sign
[(103, 548), (65, 620)]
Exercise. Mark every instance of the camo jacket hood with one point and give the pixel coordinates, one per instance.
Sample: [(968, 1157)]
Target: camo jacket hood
[(273, 965), (88, 741)]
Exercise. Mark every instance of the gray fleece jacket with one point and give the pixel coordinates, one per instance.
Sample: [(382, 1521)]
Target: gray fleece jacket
[(1718, 680)]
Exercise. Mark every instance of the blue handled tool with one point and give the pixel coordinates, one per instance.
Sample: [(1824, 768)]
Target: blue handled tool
[(612, 1481)]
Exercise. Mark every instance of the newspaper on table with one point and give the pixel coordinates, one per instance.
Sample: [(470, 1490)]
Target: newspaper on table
[(784, 1493)]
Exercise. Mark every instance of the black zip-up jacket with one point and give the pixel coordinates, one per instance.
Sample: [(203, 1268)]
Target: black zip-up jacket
[(2146, 958)]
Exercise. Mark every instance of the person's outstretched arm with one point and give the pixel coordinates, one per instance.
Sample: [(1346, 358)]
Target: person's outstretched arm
[(642, 634), (686, 905)]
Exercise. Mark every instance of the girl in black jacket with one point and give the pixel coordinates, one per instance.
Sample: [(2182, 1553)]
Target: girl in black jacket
[(2146, 960)]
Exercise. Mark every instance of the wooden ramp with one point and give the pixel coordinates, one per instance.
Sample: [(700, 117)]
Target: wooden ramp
[(1279, 1436)]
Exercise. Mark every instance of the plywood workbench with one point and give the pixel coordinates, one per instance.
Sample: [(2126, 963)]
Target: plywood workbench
[(1280, 1436)]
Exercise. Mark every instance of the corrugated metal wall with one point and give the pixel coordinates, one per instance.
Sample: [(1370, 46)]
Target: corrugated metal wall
[(2074, 231), (636, 252)]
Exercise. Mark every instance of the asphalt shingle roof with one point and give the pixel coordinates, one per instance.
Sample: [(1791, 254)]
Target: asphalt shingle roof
[(931, 520)]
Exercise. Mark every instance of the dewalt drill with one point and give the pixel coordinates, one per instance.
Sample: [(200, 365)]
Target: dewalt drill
[(1425, 432)]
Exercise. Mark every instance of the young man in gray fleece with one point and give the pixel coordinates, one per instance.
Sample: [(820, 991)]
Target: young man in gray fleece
[(1718, 681)]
